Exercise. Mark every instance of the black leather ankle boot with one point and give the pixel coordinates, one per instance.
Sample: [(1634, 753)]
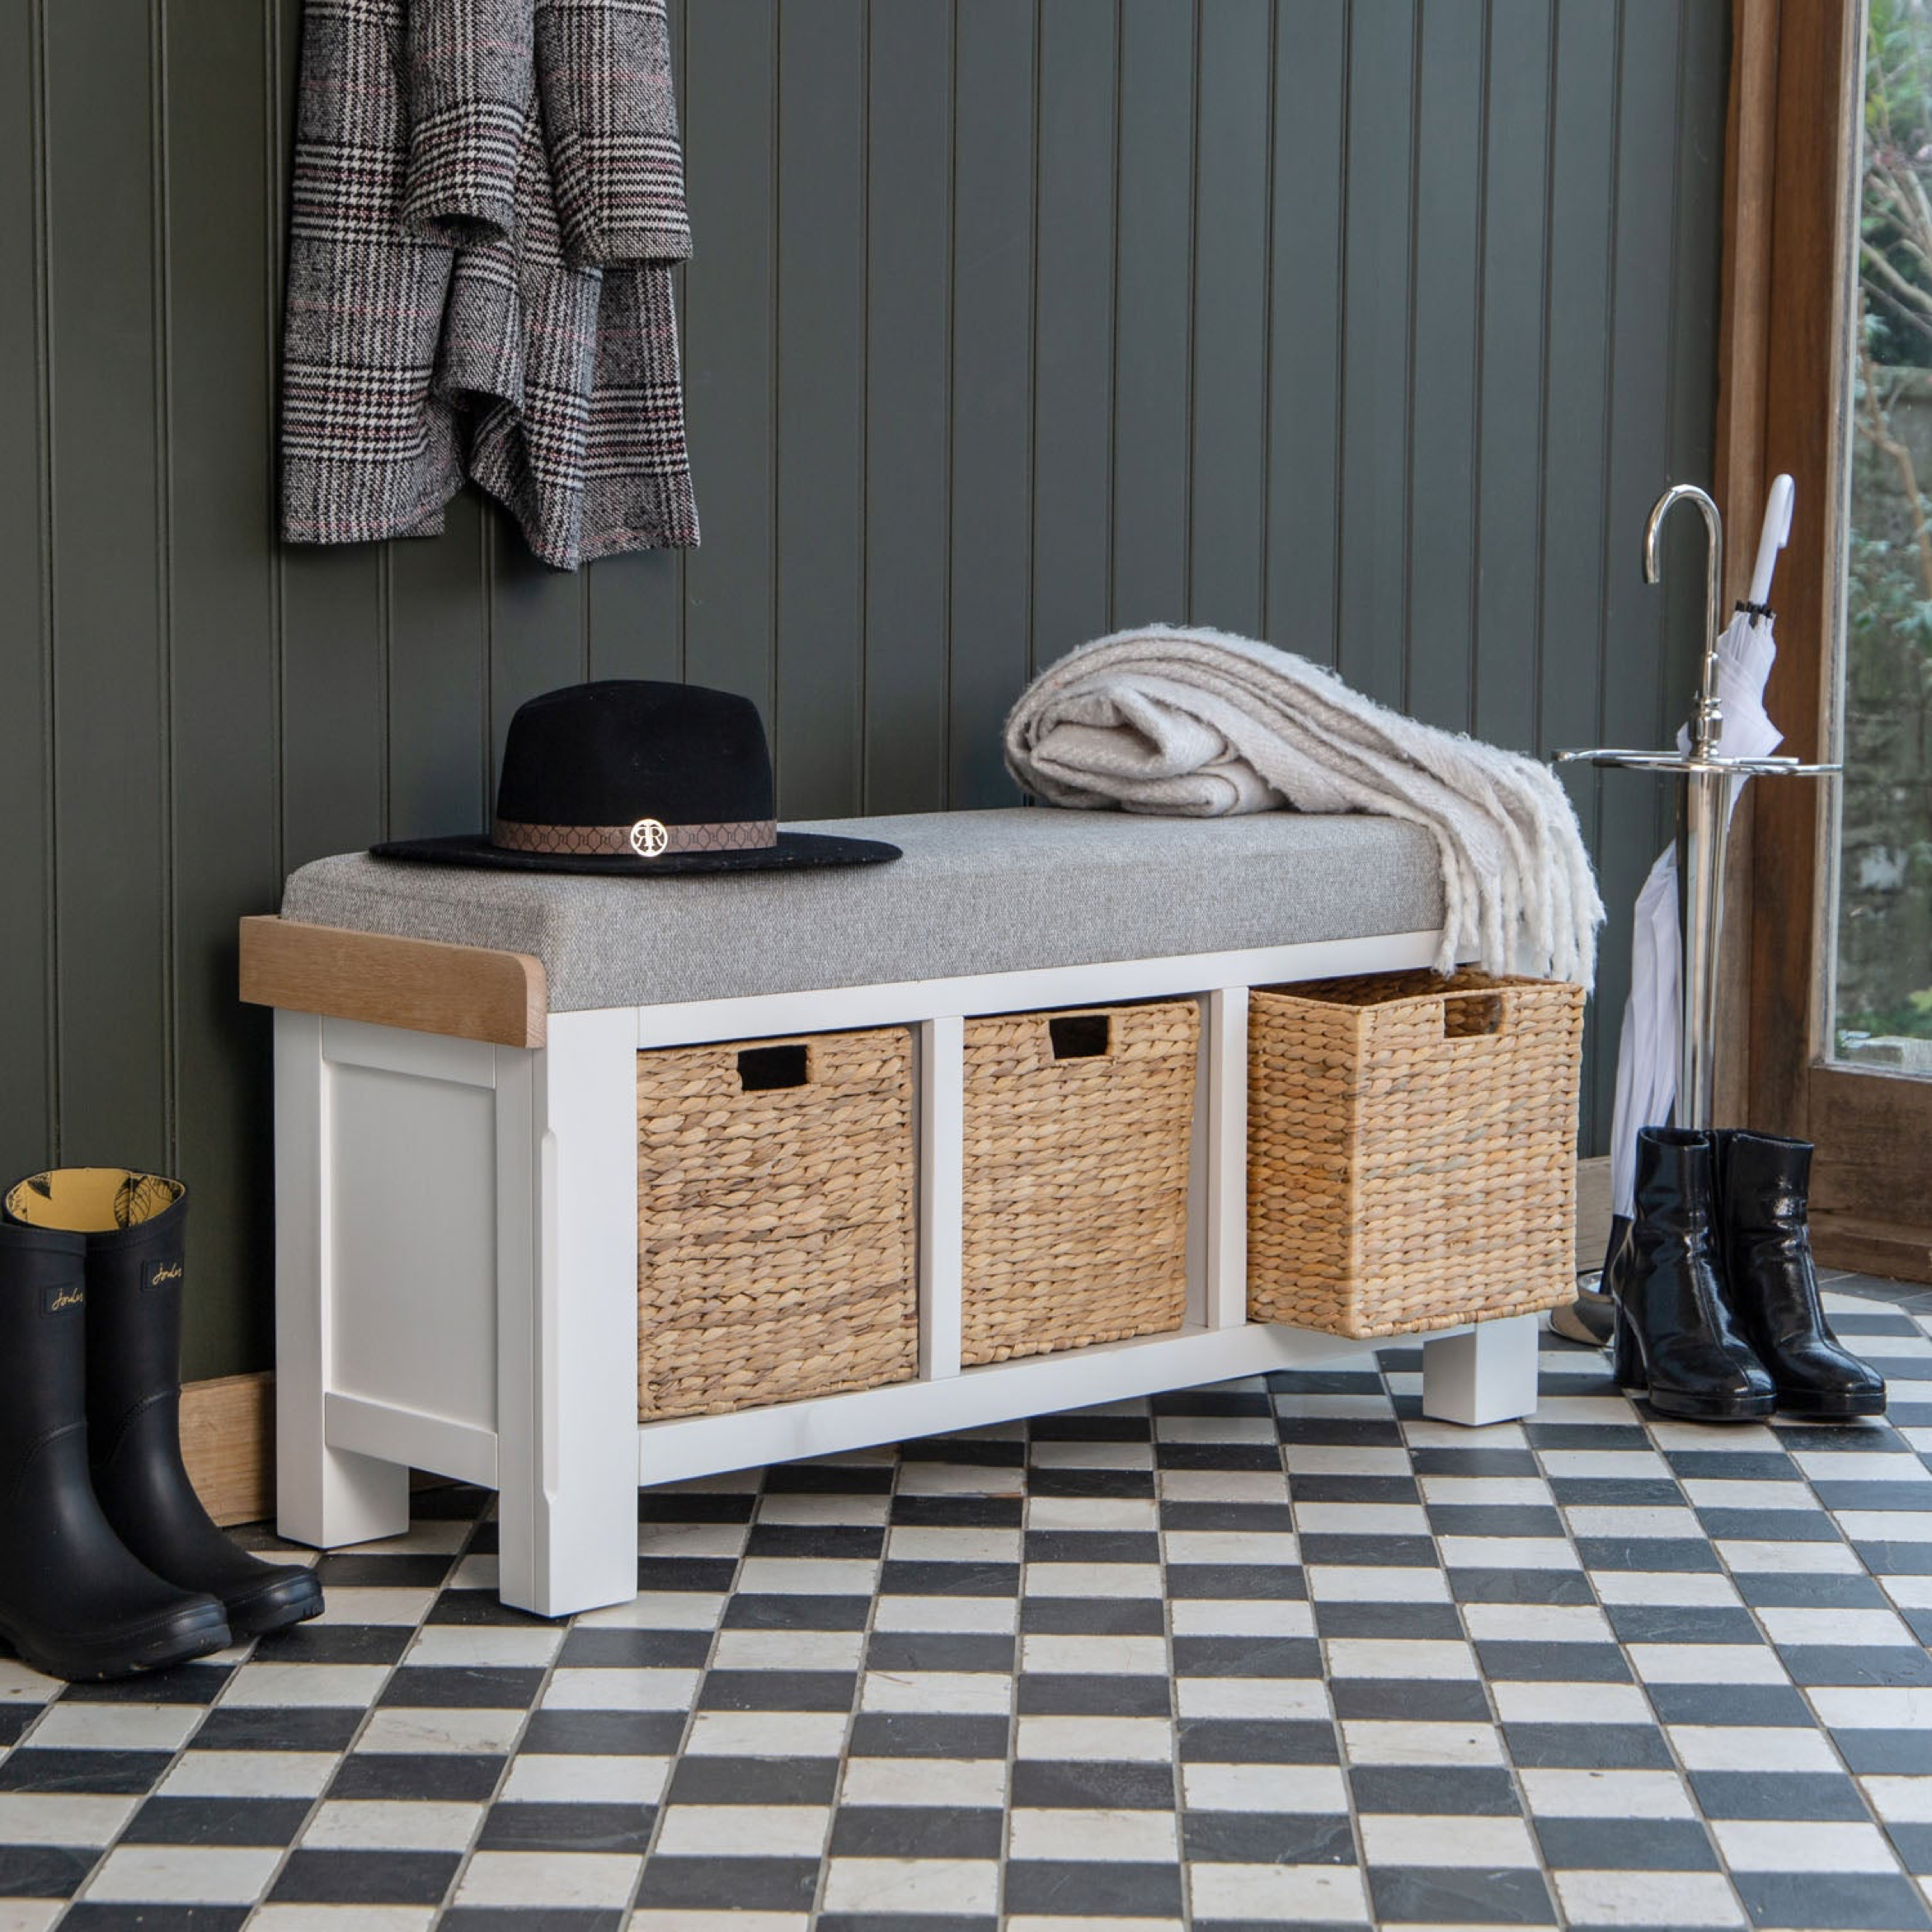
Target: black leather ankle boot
[(1676, 1334), (1763, 1188), (134, 1225), (74, 1601)]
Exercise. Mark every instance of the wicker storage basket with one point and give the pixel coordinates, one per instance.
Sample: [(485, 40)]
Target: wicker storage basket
[(1078, 1128), (775, 1222), (1411, 1151)]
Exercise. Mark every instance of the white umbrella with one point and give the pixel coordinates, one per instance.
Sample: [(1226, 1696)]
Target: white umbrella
[(1649, 1050)]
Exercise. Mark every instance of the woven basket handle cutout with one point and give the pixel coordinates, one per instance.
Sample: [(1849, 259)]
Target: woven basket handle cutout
[(1080, 1035), (1480, 1015), (761, 1069)]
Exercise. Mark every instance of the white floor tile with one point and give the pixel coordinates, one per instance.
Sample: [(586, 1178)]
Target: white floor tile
[(1509, 1552), (1106, 1579), (486, 1644), (991, 1613), (1717, 1493), (29, 1915), (1706, 1663), (556, 1879), (1526, 1702), (1393, 1741), (1530, 1492), (402, 1728), (1114, 1656), (1834, 1626), (1264, 1788), (1240, 1616), (788, 1650), (1606, 1794), (659, 1610), (1362, 1519), (384, 1824), (1665, 1587), (768, 1734), (1900, 1801), (306, 1685), (1752, 1747), (1093, 1512), (1490, 1843), (584, 1778), (1884, 1525), (743, 1830), (1229, 1546), (341, 1918), (346, 1606), (183, 1874), (1782, 1844), (1746, 1557), (982, 1693), (60, 1817), (620, 1691), (808, 1506), (1681, 1900), (259, 1774), (793, 1576), (1321, 1459), (1619, 1519), (1285, 1895), (953, 1546), (1251, 1697), (1236, 1485), (118, 1726), (1887, 1706), (1377, 1584), (683, 1540), (1536, 1623), (965, 1783), (1094, 1740), (1126, 1836), (884, 1886), (1383, 1657)]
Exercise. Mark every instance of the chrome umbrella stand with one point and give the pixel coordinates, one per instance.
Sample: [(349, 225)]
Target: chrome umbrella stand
[(1709, 781)]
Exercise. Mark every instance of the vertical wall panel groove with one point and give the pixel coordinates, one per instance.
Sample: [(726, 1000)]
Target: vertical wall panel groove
[(1374, 328)]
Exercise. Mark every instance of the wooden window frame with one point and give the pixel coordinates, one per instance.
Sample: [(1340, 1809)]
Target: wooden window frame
[(1795, 96)]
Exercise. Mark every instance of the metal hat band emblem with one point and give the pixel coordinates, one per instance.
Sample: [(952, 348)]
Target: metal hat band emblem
[(649, 837)]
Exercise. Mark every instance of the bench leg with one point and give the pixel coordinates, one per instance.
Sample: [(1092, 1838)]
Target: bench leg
[(1487, 1375), (324, 1496), (566, 1290)]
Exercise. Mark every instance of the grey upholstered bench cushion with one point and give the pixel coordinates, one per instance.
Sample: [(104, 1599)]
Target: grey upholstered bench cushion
[(977, 892)]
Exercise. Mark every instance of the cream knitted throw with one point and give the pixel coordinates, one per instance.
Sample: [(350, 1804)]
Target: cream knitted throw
[(1198, 723)]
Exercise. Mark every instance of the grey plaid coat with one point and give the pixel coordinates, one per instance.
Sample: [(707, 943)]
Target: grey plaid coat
[(487, 197)]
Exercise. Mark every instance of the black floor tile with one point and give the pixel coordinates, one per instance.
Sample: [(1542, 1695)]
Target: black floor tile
[(516, 1826), (1625, 1845), (917, 1831), (1269, 1838), (365, 1877)]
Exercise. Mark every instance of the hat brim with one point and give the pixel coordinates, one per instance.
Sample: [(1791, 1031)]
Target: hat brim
[(794, 851)]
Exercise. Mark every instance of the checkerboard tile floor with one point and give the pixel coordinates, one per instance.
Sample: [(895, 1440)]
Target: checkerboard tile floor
[(1268, 1654)]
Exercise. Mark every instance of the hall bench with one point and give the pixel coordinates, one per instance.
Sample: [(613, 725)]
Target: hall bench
[(456, 1139)]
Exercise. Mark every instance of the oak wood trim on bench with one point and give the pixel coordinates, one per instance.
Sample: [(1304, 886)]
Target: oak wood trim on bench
[(423, 985)]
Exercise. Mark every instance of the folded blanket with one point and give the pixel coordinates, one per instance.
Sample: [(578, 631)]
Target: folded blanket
[(1197, 723)]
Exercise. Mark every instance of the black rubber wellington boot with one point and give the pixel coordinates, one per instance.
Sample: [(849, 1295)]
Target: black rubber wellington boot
[(1677, 1333), (134, 1225), (1763, 1185), (74, 1601)]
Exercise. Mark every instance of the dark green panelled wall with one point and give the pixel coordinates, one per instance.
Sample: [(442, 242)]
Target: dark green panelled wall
[(1368, 326)]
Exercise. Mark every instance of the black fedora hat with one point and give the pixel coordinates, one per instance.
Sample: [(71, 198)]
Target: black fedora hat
[(634, 780)]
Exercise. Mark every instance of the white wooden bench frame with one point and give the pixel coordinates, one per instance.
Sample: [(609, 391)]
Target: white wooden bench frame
[(493, 1337)]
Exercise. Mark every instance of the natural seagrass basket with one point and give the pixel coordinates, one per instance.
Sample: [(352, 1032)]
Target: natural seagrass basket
[(1079, 1129), (775, 1222), (1411, 1151)]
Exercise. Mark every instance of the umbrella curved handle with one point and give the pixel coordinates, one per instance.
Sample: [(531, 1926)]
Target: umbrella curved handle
[(1775, 535), (1708, 725)]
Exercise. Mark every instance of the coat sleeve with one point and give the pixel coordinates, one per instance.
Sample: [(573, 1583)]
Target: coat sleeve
[(471, 83), (610, 129)]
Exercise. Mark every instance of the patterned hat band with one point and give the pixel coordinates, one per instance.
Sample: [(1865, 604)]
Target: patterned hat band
[(644, 837)]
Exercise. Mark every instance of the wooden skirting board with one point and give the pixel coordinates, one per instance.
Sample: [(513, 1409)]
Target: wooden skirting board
[(228, 1441), (228, 1425)]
